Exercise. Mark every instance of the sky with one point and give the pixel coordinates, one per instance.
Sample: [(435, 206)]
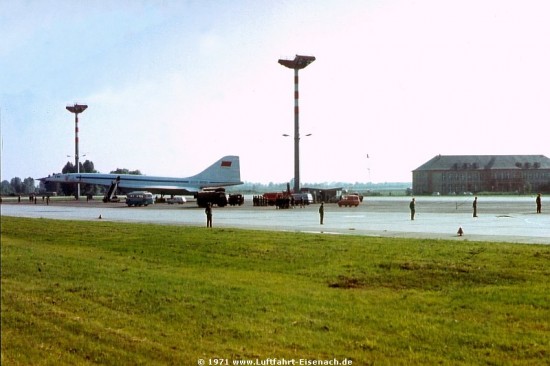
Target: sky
[(174, 85)]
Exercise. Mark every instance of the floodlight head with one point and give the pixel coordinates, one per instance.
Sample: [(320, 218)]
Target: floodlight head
[(77, 108), (298, 63)]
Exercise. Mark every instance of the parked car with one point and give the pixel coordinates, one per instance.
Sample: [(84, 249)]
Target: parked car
[(139, 198), (236, 199), (216, 197), (302, 198), (176, 199), (349, 200)]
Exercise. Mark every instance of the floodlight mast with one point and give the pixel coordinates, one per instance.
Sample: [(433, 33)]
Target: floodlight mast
[(299, 62), (76, 109)]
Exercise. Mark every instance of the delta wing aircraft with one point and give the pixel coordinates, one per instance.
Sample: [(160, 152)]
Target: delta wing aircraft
[(225, 172)]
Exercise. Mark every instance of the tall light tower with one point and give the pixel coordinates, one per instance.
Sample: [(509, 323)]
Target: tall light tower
[(298, 63), (76, 109)]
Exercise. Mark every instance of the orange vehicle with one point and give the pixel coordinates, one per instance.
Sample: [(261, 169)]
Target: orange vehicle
[(349, 200)]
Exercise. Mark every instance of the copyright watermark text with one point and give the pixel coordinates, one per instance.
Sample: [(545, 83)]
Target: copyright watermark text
[(273, 361)]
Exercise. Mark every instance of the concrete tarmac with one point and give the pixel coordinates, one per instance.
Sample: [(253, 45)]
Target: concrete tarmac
[(500, 219)]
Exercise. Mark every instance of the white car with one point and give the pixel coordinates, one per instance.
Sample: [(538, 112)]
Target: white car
[(177, 199)]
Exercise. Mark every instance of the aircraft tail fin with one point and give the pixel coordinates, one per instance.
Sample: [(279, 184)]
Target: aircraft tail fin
[(224, 172)]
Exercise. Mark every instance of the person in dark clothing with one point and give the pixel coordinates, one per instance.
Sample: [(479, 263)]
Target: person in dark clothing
[(208, 212), (475, 207), (539, 203), (321, 212), (412, 206)]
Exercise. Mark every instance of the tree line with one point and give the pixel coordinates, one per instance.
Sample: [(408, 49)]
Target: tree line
[(16, 186)]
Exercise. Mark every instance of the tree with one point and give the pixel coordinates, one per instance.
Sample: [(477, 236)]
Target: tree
[(66, 189), (87, 167), (16, 185), (126, 171), (68, 168), (28, 186), (6, 189)]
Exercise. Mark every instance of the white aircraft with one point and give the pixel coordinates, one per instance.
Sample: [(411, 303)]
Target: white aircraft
[(224, 172)]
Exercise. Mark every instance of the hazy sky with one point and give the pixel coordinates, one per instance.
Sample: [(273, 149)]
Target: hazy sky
[(173, 85)]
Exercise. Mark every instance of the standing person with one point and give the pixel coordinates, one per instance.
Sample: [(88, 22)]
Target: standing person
[(539, 203), (321, 212), (475, 207), (412, 206), (208, 212)]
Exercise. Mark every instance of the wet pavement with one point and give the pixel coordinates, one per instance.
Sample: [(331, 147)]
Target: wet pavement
[(501, 219)]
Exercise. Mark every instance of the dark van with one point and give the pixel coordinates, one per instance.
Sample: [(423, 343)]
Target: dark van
[(139, 198)]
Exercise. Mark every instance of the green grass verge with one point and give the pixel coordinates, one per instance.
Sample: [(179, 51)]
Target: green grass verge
[(111, 293)]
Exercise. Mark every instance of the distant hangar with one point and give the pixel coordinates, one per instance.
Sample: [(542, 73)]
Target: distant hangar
[(452, 174)]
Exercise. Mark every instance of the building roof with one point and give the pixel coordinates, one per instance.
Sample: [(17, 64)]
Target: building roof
[(472, 162)]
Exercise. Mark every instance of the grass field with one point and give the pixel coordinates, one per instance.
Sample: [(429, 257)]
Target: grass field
[(129, 294)]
